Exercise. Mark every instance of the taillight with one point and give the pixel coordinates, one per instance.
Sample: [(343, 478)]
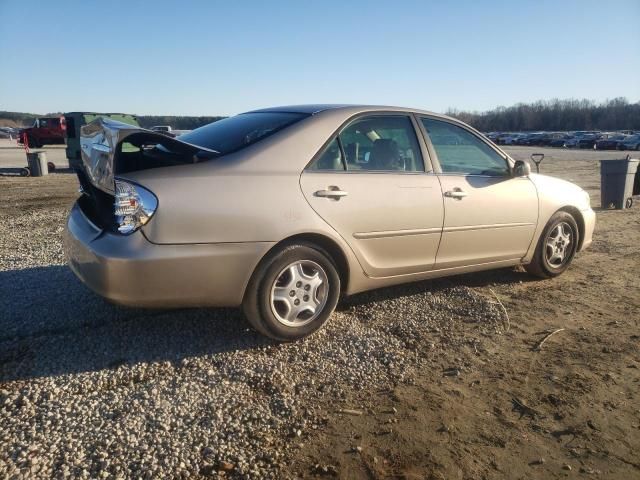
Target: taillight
[(133, 206)]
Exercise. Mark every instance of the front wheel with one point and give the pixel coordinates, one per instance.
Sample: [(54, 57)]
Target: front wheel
[(556, 247), (292, 292)]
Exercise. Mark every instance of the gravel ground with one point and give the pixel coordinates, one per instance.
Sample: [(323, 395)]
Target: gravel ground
[(91, 390)]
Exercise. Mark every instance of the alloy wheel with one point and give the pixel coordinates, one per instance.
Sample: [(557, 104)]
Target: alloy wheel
[(559, 245), (299, 293)]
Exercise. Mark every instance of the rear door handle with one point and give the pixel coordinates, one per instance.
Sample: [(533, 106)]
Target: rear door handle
[(332, 192), (456, 193)]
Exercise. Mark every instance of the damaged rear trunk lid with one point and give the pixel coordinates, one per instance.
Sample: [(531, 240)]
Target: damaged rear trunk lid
[(109, 148)]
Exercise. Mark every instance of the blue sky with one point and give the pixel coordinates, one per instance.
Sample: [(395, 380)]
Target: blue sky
[(224, 57)]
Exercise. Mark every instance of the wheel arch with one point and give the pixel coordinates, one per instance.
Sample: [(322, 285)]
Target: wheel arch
[(327, 244), (577, 215)]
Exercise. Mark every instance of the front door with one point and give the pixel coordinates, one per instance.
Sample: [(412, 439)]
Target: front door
[(490, 215), (369, 184)]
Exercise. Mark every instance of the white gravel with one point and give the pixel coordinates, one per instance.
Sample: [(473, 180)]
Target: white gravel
[(90, 390)]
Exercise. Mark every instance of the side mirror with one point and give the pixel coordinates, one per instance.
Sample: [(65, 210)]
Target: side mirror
[(521, 169), (537, 159)]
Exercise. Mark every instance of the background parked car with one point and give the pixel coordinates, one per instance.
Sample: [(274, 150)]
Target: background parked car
[(501, 137), (529, 139), (513, 139), (576, 137), (587, 141), (44, 131), (164, 129), (542, 139), (560, 140), (609, 141), (9, 132), (632, 142)]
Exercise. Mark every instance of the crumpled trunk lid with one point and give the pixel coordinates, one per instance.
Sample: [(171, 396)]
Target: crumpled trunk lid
[(109, 147)]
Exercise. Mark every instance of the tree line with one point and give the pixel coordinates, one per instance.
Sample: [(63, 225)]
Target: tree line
[(177, 123), (556, 115), (549, 115), (146, 121)]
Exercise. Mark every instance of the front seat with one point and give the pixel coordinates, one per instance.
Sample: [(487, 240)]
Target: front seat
[(385, 155)]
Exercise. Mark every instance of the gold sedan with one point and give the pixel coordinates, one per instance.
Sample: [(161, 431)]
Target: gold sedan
[(283, 210)]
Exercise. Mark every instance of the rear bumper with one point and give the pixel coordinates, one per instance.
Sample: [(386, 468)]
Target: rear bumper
[(589, 217), (130, 270)]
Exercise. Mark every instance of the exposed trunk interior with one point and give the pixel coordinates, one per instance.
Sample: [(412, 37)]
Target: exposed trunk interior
[(145, 150), (110, 148)]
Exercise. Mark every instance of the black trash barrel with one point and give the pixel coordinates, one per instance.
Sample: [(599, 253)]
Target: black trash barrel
[(38, 164), (616, 182)]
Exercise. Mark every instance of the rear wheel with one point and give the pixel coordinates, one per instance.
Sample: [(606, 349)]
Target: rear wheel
[(556, 247), (292, 292)]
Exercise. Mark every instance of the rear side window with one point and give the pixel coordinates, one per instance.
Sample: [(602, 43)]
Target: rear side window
[(382, 143), (330, 158), (461, 152), (235, 133)]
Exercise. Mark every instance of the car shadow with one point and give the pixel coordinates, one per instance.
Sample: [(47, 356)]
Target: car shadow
[(18, 171), (477, 279), (51, 324)]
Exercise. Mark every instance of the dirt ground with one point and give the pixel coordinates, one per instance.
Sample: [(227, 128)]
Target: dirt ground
[(508, 411), (571, 409)]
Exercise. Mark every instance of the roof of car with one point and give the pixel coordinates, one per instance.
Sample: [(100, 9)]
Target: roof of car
[(317, 108), (311, 108)]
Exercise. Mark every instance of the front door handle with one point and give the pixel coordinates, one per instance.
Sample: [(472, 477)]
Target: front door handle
[(332, 192), (456, 193)]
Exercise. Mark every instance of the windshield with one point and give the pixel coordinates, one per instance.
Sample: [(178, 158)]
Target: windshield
[(233, 133)]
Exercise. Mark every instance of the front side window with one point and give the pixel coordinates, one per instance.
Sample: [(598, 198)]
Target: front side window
[(461, 152), (381, 143), (233, 133)]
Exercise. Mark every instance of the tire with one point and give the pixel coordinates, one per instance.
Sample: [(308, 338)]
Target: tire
[(546, 262), (289, 269), (51, 167)]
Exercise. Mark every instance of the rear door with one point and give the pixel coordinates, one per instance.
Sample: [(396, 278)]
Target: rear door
[(369, 184), (489, 215)]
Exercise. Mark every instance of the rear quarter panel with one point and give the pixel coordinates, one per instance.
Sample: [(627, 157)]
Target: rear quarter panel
[(252, 195)]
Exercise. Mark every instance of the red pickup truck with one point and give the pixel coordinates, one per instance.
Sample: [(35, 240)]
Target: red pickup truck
[(45, 131)]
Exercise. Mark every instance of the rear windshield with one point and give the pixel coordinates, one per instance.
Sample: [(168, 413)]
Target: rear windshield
[(234, 133)]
